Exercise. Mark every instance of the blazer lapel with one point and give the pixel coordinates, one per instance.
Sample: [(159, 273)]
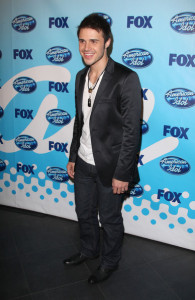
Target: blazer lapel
[(103, 84), (80, 93)]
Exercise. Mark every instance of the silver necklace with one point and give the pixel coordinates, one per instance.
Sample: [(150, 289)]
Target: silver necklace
[(90, 89)]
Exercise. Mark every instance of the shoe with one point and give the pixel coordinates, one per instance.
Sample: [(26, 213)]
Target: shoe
[(100, 274), (75, 259)]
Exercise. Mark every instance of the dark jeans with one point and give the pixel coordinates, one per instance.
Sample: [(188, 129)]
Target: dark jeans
[(91, 198)]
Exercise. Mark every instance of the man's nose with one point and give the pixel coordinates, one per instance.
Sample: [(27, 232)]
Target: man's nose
[(87, 46)]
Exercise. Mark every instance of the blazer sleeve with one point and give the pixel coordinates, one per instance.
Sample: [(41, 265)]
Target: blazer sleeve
[(131, 106)]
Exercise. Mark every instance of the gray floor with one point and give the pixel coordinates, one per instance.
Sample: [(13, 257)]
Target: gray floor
[(32, 248)]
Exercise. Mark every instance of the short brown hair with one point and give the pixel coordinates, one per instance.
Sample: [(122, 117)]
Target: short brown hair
[(97, 22)]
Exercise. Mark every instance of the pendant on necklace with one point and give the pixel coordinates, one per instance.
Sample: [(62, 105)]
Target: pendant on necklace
[(90, 90), (89, 102)]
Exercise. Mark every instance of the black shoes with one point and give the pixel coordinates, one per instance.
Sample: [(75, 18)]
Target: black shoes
[(76, 259), (100, 274)]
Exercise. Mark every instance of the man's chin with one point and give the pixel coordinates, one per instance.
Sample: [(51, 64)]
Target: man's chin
[(87, 62)]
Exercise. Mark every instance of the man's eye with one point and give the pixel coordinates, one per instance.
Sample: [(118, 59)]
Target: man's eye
[(94, 41)]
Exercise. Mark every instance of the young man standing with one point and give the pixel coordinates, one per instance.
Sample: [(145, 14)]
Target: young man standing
[(105, 143)]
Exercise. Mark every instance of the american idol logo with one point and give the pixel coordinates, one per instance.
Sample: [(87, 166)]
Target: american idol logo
[(58, 117), (174, 165), (57, 174), (26, 142), (180, 98), (23, 23), (2, 165), (136, 191), (58, 55), (144, 127), (137, 58), (184, 22), (24, 85), (1, 112), (106, 17)]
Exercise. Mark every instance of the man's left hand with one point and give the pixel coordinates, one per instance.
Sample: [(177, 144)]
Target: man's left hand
[(119, 187)]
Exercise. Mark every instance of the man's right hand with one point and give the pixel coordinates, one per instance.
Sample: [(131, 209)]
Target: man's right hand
[(70, 169)]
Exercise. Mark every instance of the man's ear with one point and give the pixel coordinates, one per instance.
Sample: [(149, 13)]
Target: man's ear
[(107, 44)]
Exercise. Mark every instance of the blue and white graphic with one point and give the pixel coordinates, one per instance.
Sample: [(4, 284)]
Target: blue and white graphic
[(137, 58), (184, 22), (136, 191), (1, 112), (58, 55), (58, 117), (106, 17), (23, 23), (139, 21), (182, 60), (59, 22), (24, 85), (26, 142), (145, 127), (2, 165), (180, 98), (39, 60), (57, 174), (174, 165)]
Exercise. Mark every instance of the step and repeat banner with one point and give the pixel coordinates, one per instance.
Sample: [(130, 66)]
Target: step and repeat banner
[(39, 59)]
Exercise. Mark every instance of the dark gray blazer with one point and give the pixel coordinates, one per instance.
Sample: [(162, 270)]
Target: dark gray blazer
[(114, 123)]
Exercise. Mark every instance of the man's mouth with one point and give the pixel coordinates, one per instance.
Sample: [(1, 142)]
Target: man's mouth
[(88, 55)]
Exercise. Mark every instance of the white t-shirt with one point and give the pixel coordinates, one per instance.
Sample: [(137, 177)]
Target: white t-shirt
[(85, 150)]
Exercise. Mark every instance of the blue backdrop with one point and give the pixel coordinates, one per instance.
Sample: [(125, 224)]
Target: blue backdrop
[(39, 59)]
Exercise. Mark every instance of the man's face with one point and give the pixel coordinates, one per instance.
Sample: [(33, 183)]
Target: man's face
[(92, 47)]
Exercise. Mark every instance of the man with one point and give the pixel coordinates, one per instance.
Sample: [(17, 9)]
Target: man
[(105, 142)]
